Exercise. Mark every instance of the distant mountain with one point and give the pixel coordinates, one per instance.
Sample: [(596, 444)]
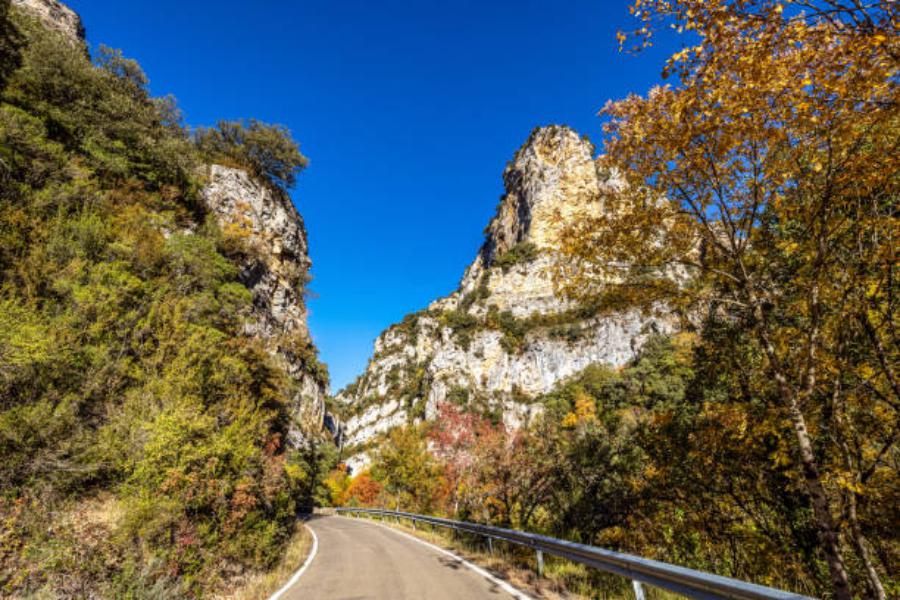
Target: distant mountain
[(504, 337)]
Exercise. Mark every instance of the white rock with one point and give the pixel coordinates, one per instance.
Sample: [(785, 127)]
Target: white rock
[(55, 15), (275, 271)]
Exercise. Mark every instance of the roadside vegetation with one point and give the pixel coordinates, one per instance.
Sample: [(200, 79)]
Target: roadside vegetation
[(261, 585), (142, 435)]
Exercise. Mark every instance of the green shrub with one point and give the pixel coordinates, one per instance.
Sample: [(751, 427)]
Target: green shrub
[(521, 253), (10, 44), (267, 150), (462, 324)]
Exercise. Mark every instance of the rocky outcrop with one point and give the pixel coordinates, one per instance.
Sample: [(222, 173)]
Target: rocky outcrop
[(270, 240), (55, 15), (504, 338)]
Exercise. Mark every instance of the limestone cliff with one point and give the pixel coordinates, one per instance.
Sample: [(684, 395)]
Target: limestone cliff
[(503, 338), (274, 262), (55, 15)]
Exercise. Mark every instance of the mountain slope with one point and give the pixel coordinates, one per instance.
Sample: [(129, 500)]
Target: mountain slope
[(159, 392)]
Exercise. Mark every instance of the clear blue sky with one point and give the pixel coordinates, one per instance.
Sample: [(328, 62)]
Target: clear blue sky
[(408, 112)]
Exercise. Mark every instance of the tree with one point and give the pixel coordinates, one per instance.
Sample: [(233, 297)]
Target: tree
[(268, 150), (362, 491), (314, 462), (407, 470), (762, 187), (453, 438)]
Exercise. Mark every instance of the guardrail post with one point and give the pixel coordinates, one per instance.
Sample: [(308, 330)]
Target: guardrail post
[(540, 565), (490, 545), (638, 589)]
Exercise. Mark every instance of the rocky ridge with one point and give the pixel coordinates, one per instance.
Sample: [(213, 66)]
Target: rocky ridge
[(274, 266), (504, 338), (56, 16)]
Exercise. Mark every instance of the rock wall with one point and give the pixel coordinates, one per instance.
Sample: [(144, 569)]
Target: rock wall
[(503, 338), (274, 266), (55, 15)]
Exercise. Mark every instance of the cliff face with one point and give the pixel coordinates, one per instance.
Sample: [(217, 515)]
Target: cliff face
[(274, 266), (56, 16), (503, 338)]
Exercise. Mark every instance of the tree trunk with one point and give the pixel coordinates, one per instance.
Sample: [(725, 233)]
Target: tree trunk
[(825, 526), (827, 532), (859, 540)]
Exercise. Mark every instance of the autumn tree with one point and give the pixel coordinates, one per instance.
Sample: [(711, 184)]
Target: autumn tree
[(456, 438), (407, 470), (362, 491), (761, 190)]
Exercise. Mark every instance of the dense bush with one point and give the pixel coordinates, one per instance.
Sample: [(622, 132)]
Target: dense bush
[(10, 44)]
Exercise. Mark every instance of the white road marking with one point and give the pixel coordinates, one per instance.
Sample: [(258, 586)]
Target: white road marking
[(504, 585), (302, 569)]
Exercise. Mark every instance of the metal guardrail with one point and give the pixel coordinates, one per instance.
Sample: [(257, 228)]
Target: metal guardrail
[(687, 582)]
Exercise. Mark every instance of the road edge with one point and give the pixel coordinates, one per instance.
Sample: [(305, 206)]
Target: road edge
[(296, 576), (503, 584)]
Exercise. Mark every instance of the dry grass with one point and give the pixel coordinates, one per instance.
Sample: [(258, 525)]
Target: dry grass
[(259, 586)]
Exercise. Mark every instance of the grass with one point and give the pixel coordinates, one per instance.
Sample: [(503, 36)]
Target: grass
[(561, 579), (259, 586)]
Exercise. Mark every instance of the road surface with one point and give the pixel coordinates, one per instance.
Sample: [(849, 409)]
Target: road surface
[(359, 560)]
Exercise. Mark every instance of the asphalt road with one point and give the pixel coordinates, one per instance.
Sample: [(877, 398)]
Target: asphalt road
[(359, 560)]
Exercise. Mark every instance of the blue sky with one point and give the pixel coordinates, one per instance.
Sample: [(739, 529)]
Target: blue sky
[(408, 112)]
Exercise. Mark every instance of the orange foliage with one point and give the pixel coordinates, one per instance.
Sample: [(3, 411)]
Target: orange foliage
[(362, 491)]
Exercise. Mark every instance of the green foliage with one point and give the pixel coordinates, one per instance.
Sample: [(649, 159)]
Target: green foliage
[(513, 329), (299, 345), (142, 434), (408, 471), (458, 396), (310, 467), (462, 324), (102, 113), (521, 253), (568, 324), (267, 150), (10, 44)]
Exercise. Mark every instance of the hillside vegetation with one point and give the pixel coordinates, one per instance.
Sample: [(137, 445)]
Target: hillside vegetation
[(142, 436)]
